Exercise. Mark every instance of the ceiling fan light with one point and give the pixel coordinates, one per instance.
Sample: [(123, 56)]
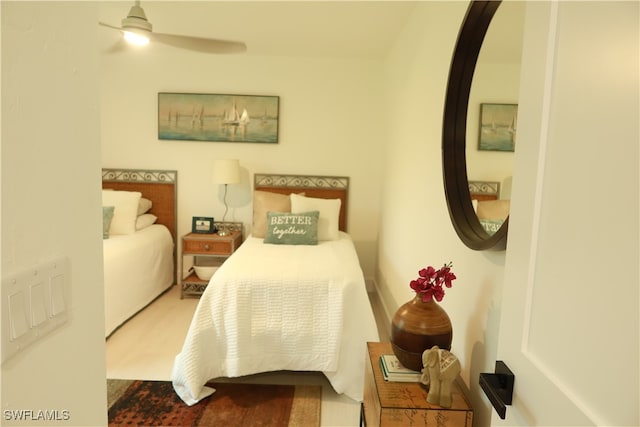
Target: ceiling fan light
[(136, 38), (136, 23), (137, 30)]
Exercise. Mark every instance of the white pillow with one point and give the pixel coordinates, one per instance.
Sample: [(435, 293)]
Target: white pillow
[(144, 206), (145, 220), (263, 202), (329, 221), (125, 211), (493, 209)]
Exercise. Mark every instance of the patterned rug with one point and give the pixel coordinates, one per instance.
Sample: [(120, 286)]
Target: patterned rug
[(155, 403)]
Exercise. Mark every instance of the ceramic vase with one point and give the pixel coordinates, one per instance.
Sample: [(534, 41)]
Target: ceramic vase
[(417, 326)]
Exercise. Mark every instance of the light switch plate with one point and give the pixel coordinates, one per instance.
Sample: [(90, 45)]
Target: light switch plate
[(56, 288), (34, 302), (38, 303), (18, 309)]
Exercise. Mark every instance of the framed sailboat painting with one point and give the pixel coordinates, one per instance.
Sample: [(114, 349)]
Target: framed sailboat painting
[(218, 117), (498, 126)]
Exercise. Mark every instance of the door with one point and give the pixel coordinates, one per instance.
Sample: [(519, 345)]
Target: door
[(569, 322)]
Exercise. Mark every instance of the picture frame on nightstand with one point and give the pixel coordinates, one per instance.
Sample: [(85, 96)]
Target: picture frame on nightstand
[(202, 225)]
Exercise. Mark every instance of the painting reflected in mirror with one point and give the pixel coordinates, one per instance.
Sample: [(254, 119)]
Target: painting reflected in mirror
[(498, 127), (493, 105)]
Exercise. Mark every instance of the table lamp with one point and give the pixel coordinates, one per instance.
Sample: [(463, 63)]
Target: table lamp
[(225, 172)]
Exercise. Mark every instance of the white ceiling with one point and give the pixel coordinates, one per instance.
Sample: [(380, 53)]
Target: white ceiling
[(363, 29), (291, 28)]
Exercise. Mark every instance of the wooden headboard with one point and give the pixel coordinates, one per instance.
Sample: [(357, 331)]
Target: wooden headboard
[(324, 187), (484, 190), (159, 186)]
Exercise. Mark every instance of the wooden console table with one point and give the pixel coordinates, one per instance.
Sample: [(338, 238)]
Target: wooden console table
[(389, 404)]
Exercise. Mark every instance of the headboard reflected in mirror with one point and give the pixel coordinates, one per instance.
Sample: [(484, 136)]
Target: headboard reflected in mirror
[(490, 209)]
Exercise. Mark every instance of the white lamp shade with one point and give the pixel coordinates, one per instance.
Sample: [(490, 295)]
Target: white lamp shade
[(226, 172)]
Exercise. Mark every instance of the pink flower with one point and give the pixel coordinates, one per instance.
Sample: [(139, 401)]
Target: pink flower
[(437, 293), (430, 281)]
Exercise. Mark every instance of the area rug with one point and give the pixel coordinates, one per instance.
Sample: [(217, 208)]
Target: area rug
[(155, 403)]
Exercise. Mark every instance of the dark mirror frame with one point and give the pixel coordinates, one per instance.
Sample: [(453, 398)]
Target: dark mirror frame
[(463, 216)]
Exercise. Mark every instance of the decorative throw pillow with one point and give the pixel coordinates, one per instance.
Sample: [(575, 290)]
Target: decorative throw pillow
[(292, 229), (125, 211), (263, 202), (491, 225), (107, 216), (329, 221), (145, 220), (144, 206)]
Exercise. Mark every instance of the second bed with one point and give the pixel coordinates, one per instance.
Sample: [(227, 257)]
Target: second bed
[(274, 307)]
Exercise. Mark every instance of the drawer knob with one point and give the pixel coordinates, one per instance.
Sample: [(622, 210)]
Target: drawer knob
[(206, 247)]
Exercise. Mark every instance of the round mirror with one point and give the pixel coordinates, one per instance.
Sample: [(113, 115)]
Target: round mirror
[(462, 209)]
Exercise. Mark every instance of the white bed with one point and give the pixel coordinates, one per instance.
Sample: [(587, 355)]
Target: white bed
[(273, 307), (137, 268), (139, 264)]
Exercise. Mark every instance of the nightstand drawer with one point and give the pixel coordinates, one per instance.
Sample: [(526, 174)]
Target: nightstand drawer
[(212, 247), (211, 244), (206, 250)]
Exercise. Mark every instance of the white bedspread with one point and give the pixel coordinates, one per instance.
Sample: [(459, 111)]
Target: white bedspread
[(137, 268), (280, 307)]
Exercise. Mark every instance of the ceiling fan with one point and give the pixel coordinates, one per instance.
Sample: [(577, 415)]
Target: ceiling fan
[(137, 30)]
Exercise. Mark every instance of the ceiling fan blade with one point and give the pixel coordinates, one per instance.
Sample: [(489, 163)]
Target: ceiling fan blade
[(109, 26), (199, 44), (136, 22)]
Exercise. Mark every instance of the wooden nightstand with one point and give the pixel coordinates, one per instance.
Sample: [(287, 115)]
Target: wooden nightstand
[(207, 249), (402, 404)]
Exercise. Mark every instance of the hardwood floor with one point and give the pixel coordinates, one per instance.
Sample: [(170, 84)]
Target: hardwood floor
[(145, 346)]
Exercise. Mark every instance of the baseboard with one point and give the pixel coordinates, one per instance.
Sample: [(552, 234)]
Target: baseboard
[(385, 306), (372, 286)]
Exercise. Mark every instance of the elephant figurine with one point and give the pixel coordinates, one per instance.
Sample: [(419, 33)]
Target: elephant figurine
[(440, 369)]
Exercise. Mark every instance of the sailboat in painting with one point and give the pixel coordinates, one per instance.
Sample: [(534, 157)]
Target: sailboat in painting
[(513, 128), (197, 117), (234, 118), (215, 117)]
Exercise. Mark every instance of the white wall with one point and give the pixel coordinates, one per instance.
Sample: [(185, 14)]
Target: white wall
[(51, 201), (415, 227), (330, 124)]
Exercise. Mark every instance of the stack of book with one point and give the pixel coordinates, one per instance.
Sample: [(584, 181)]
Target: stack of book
[(392, 370)]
